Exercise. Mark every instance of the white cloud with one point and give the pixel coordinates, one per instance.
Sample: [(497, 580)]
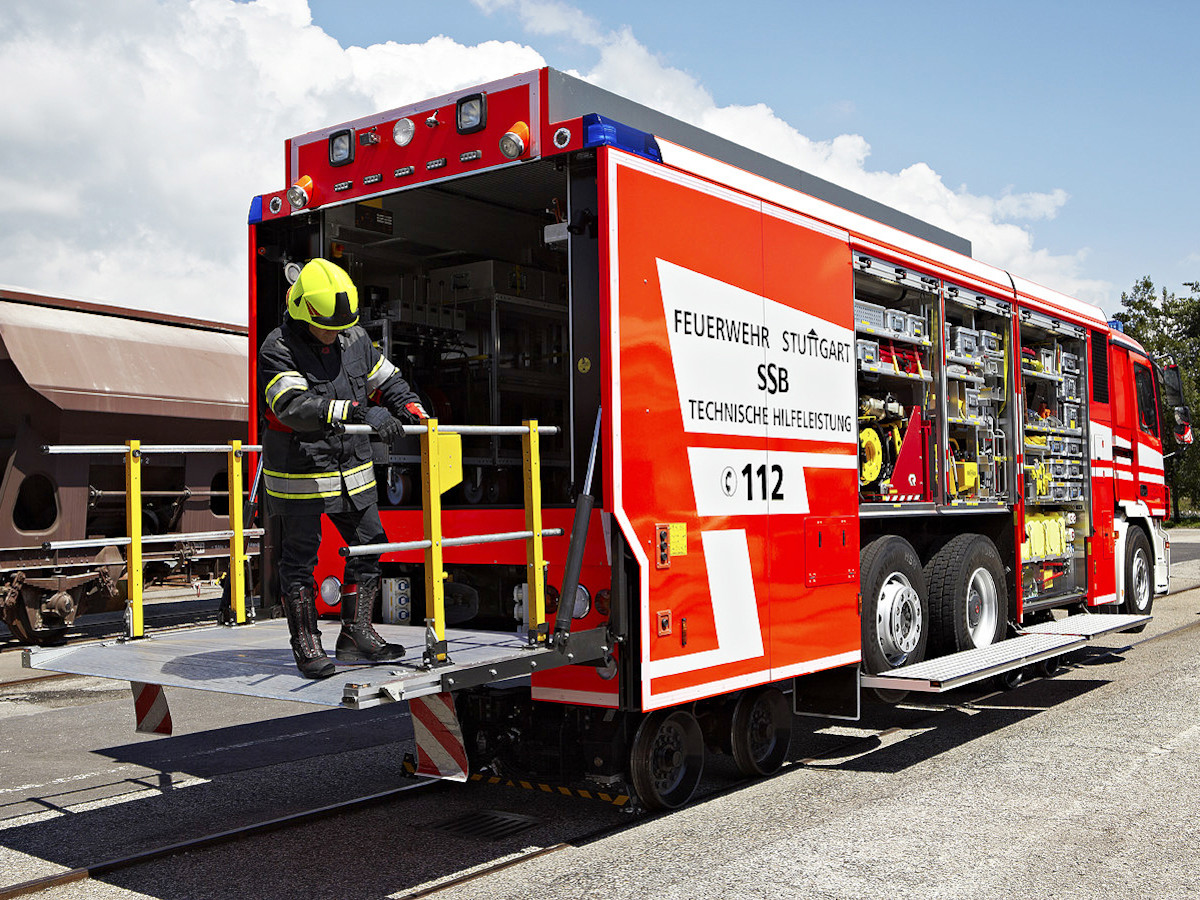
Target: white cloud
[(137, 135), (134, 133)]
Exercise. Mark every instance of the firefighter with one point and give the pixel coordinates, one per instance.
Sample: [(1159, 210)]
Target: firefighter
[(320, 371)]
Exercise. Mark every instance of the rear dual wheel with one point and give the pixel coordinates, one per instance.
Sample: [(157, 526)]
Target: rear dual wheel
[(968, 595), (895, 610)]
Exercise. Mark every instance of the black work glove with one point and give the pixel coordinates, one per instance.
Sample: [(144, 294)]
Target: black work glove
[(384, 423)]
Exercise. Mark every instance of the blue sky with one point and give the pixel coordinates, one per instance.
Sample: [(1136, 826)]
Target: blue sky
[(1056, 136), (1101, 100)]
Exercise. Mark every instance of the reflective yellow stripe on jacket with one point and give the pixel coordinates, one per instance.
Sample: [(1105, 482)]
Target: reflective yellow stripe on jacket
[(281, 384), (319, 485), (384, 369)]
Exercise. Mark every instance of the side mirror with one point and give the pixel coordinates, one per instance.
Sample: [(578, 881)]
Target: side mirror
[(1183, 427)]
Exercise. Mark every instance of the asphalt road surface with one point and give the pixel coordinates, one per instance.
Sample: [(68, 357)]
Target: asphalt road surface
[(1080, 786)]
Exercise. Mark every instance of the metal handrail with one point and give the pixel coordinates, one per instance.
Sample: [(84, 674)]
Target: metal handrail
[(134, 453), (486, 430), (114, 449), (498, 537), (441, 470), (167, 538)]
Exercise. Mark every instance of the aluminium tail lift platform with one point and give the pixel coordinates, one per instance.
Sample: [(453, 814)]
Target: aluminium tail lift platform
[(1035, 644), (256, 661)]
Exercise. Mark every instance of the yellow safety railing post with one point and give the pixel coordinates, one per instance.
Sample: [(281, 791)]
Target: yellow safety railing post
[(237, 544), (133, 518), (536, 580), (431, 505)]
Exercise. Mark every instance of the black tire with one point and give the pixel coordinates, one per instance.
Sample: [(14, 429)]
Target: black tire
[(895, 606), (760, 732), (1011, 679), (1139, 577), (666, 758), (968, 595)]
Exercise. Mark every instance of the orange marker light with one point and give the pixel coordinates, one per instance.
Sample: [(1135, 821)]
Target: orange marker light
[(300, 194), (515, 140)]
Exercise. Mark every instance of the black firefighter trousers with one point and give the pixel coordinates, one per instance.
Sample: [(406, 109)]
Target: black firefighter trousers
[(300, 538)]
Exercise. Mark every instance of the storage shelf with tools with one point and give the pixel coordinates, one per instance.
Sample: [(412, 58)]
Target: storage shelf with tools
[(892, 373), (894, 313), (1054, 423), (976, 411)]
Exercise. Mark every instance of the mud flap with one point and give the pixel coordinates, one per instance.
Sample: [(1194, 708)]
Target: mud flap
[(441, 752), (150, 708)]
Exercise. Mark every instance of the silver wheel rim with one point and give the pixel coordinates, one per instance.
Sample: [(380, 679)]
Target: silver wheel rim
[(983, 608), (1141, 580), (898, 621)]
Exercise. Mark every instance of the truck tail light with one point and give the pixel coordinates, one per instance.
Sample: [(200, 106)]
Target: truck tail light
[(515, 140), (300, 194)]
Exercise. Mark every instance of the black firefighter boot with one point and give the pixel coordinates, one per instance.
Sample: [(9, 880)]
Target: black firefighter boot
[(301, 610), (358, 641)]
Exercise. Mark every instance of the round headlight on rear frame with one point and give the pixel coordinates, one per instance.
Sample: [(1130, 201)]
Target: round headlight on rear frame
[(403, 131), (331, 591)]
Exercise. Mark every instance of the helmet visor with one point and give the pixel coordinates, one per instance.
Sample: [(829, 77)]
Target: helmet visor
[(343, 315)]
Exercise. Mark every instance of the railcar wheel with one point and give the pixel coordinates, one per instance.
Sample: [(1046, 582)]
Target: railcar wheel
[(23, 630), (1139, 577), (760, 732), (968, 596), (667, 758)]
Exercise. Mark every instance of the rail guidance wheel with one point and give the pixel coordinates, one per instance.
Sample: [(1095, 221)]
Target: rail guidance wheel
[(895, 613), (968, 595), (666, 759), (1139, 576), (761, 731)]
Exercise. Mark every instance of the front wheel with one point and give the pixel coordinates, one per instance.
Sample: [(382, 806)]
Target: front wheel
[(895, 610), (1139, 577)]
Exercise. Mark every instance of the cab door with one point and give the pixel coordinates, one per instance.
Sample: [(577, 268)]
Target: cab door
[(1148, 455)]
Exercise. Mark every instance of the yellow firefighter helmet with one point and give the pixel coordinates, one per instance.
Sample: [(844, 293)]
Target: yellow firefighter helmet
[(324, 296)]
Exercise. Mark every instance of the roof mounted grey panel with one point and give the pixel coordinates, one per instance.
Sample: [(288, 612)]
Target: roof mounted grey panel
[(571, 97)]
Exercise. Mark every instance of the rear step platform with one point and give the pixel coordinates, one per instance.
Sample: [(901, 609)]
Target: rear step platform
[(1037, 643), (256, 661)]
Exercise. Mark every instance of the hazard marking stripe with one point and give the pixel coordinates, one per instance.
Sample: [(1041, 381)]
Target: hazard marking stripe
[(440, 749), (151, 713), (614, 799)]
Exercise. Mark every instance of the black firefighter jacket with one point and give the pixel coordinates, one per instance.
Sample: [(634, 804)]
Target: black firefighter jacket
[(309, 466)]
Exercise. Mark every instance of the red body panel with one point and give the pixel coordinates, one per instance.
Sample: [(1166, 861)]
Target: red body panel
[(720, 432)]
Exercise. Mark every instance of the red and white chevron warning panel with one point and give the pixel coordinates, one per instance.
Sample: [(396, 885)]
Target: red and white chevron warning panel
[(440, 749), (150, 708)]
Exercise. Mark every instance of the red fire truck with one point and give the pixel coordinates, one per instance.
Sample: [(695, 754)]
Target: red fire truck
[(831, 450)]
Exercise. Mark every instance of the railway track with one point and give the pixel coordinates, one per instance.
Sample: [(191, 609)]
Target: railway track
[(856, 746)]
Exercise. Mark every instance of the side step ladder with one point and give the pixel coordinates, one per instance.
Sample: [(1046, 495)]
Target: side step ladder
[(1036, 643)]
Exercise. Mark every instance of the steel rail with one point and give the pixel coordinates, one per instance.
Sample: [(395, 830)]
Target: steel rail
[(108, 866)]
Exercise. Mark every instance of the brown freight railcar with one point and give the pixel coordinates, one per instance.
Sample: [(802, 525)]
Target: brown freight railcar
[(73, 372)]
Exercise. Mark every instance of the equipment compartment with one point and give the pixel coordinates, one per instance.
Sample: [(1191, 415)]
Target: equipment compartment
[(1056, 478)]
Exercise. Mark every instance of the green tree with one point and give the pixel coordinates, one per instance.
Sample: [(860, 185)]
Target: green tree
[(1168, 326)]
